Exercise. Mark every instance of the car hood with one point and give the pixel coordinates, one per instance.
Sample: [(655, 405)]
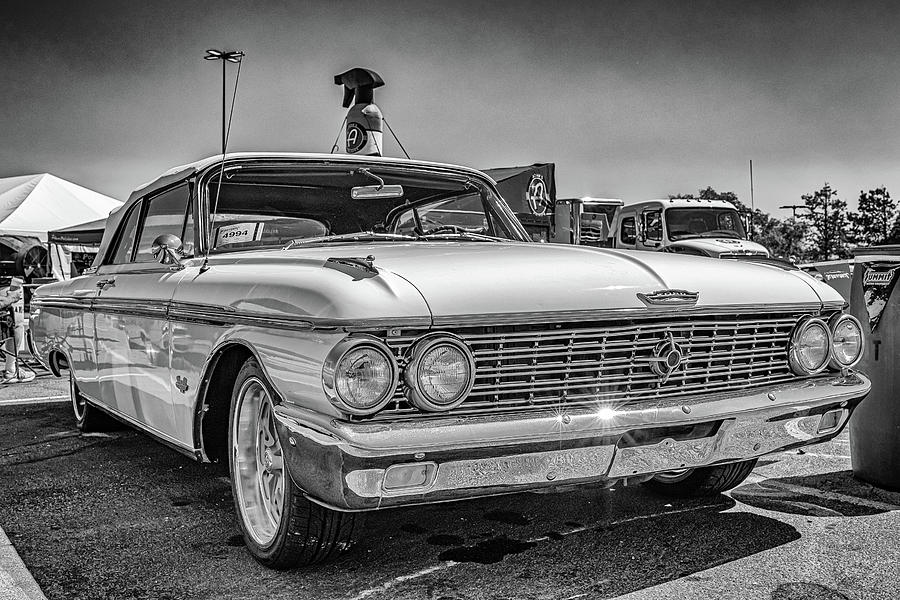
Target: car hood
[(457, 280), (723, 245)]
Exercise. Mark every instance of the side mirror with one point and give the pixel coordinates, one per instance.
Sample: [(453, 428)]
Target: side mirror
[(168, 249)]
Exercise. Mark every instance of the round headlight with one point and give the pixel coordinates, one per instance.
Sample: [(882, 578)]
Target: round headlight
[(360, 375), (846, 342), (810, 347), (440, 373)]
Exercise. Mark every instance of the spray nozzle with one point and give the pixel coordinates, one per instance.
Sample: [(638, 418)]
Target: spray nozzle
[(358, 83)]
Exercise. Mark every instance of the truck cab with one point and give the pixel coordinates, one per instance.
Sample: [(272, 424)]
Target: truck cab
[(691, 226)]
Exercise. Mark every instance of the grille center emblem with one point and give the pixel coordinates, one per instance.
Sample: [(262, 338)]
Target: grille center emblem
[(668, 356)]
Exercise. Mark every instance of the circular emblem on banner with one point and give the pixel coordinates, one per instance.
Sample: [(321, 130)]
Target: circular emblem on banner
[(356, 137), (538, 199)]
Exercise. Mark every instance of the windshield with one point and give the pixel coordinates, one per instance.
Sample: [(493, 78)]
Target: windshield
[(703, 222), (269, 206)]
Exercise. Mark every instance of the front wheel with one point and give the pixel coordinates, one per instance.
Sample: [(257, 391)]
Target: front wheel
[(701, 481), (282, 529)]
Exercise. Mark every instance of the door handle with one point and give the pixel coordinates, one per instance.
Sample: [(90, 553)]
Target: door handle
[(106, 283)]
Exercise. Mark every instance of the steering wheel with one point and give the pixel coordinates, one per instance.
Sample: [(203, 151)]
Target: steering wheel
[(446, 229)]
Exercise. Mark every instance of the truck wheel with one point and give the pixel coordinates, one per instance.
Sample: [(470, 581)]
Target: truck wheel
[(702, 481), (281, 528), (88, 418)]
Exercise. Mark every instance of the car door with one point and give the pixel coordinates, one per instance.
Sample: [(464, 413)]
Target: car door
[(627, 237), (650, 235), (132, 330)]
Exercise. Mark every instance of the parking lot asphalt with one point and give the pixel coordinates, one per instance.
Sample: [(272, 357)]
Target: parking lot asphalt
[(119, 516)]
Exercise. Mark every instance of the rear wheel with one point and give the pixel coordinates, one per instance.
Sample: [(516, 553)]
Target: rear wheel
[(701, 481), (88, 418), (282, 529)]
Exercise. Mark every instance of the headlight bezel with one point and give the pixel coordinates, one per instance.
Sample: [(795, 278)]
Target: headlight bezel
[(833, 323), (334, 358), (417, 352), (799, 330)]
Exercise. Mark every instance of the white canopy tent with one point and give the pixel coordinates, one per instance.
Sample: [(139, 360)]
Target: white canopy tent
[(32, 205)]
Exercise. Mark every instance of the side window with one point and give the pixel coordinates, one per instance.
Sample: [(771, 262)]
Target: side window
[(125, 241), (166, 214), (727, 221), (627, 234), (653, 225)]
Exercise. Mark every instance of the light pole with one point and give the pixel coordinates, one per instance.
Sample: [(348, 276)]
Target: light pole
[(226, 56)]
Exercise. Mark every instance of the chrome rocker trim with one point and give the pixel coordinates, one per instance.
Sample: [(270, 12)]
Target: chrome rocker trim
[(342, 465)]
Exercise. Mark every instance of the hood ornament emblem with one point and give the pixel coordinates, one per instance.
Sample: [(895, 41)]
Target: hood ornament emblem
[(667, 357), (669, 298)]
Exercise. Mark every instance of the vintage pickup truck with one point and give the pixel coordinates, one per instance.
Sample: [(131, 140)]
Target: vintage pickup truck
[(358, 333)]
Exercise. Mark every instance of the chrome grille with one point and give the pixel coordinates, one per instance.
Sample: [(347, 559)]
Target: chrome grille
[(593, 230), (523, 368)]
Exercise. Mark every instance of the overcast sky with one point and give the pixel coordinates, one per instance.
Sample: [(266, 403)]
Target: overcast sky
[(630, 99)]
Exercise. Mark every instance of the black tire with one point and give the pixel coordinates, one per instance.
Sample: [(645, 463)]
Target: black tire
[(88, 418), (306, 533), (702, 481)]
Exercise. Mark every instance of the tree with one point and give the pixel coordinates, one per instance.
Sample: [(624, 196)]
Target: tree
[(872, 225), (827, 224)]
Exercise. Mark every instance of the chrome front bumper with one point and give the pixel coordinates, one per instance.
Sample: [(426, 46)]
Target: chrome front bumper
[(364, 466)]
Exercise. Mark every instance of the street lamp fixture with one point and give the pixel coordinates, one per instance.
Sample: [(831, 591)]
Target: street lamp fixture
[(226, 56), (794, 208)]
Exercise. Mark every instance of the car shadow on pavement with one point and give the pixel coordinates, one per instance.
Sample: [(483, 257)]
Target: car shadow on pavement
[(834, 494), (597, 543)]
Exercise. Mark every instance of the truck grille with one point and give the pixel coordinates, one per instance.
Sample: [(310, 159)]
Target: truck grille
[(524, 368), (594, 230)]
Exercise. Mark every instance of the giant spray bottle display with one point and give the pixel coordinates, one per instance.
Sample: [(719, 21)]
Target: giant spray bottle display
[(364, 120)]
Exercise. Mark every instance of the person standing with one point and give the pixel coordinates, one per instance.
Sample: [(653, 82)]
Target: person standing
[(11, 302)]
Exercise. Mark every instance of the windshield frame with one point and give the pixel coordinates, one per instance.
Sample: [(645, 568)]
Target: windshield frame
[(208, 179)]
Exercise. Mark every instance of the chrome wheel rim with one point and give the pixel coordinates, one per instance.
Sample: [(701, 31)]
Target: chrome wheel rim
[(673, 476), (257, 462), (78, 401)]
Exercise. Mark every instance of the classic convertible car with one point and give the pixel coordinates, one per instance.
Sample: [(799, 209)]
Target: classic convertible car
[(356, 333)]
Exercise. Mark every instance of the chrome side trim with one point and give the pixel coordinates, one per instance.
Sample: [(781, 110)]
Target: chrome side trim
[(66, 302), (223, 315), (211, 314), (154, 433)]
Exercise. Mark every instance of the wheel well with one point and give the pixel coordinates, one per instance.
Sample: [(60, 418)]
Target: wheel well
[(57, 362), (215, 403)]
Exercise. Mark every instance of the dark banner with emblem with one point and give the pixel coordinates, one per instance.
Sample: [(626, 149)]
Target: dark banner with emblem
[(528, 190), (878, 280)]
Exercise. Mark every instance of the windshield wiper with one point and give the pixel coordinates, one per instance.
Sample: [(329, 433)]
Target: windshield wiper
[(464, 235), (361, 236), (722, 233)]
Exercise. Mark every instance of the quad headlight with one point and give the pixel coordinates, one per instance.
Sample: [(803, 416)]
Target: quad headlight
[(440, 372), (360, 375), (810, 348), (846, 342)]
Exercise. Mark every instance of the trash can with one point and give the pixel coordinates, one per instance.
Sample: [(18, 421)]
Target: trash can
[(875, 425)]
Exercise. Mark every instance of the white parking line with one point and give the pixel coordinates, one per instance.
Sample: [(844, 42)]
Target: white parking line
[(446, 565), (36, 400), (825, 455)]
